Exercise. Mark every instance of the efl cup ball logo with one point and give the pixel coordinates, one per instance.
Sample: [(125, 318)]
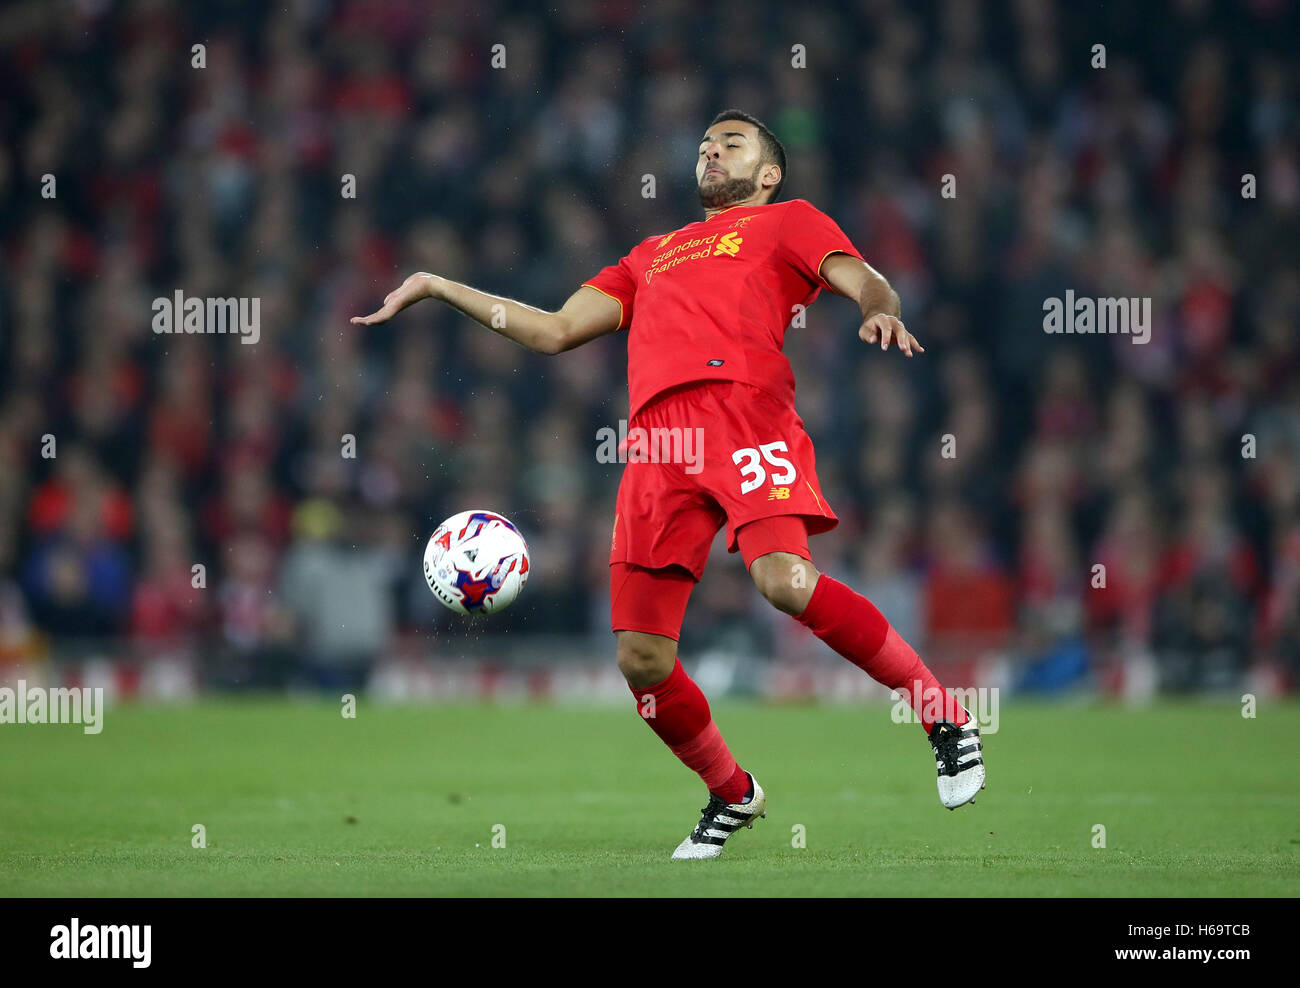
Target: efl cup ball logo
[(476, 562)]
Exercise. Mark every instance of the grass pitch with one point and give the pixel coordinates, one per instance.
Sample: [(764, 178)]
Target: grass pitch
[(298, 801)]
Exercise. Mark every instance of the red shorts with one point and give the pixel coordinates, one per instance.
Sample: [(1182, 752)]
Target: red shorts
[(707, 454), (653, 601)]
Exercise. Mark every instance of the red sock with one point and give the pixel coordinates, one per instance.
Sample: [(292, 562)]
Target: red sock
[(851, 624), (677, 711)]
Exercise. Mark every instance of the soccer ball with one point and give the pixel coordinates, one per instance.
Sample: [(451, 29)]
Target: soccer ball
[(476, 562)]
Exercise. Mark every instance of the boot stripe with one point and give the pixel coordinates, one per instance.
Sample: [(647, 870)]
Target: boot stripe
[(708, 839)]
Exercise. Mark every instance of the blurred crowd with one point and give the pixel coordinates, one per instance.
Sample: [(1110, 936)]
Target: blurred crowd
[(1107, 505)]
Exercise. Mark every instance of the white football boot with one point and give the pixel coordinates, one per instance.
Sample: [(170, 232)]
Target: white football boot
[(720, 821), (959, 756)]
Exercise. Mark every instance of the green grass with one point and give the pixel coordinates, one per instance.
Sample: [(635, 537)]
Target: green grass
[(296, 800)]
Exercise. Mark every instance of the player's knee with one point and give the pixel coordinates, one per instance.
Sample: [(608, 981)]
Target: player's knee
[(785, 579), (645, 660)]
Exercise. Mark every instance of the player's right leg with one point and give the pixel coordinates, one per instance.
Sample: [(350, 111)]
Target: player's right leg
[(673, 706), (663, 528)]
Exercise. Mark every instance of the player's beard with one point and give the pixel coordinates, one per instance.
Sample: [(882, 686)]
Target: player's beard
[(728, 192)]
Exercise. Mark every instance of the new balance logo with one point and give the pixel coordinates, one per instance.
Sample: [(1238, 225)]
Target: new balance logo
[(779, 494)]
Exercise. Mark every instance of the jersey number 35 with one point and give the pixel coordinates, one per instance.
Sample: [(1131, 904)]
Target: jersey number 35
[(752, 473)]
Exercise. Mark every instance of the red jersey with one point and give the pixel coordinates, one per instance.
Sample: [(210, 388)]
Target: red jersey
[(712, 300)]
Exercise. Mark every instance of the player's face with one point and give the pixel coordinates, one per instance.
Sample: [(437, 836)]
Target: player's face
[(728, 169)]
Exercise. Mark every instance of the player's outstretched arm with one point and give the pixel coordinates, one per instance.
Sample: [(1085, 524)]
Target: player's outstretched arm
[(586, 315), (856, 279)]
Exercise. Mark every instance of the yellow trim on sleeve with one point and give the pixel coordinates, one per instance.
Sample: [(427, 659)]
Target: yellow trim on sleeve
[(837, 250), (588, 284)]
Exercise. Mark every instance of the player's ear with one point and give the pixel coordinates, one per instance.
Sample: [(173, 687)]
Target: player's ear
[(771, 177)]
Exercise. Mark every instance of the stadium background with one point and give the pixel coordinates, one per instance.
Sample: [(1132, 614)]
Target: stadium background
[(526, 180)]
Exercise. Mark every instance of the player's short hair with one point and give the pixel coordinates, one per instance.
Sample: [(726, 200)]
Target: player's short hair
[(773, 151)]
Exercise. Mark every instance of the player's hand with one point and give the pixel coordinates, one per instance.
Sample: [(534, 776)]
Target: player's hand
[(419, 286), (886, 328)]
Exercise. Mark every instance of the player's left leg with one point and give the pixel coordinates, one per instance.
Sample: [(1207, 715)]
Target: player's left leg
[(776, 553)]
